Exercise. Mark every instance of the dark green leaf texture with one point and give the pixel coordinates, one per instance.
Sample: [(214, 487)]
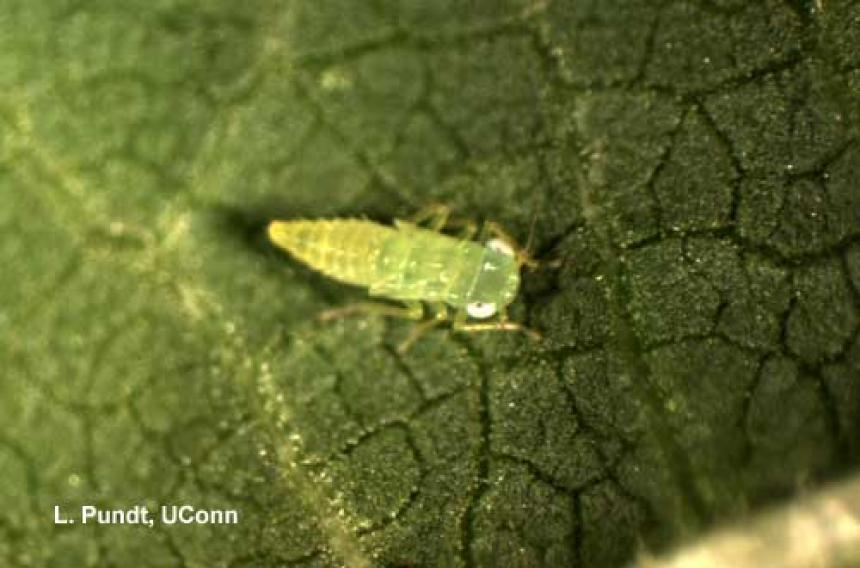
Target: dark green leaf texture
[(694, 164)]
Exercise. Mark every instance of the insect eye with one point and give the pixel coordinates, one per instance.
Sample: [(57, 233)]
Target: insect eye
[(501, 246), (481, 310)]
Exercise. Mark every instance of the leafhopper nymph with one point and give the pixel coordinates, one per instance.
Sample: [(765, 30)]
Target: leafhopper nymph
[(414, 266)]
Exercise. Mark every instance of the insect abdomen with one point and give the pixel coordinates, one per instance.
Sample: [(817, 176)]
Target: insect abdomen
[(344, 249)]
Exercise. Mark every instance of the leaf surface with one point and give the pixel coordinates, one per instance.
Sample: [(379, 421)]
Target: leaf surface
[(693, 165)]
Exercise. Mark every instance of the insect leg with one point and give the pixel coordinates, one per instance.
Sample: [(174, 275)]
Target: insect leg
[(470, 229), (411, 310), (439, 217), (436, 214), (501, 324), (440, 317)]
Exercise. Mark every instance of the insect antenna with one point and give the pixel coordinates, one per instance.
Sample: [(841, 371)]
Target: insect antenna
[(525, 255), (530, 238)]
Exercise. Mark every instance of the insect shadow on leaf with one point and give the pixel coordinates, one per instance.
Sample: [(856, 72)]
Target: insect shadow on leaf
[(245, 226)]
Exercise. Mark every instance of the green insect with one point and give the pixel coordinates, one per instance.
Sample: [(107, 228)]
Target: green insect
[(414, 265)]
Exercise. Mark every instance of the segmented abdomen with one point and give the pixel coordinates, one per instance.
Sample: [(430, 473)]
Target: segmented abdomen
[(344, 249)]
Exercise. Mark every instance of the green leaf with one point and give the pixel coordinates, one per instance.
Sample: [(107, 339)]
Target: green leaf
[(693, 165)]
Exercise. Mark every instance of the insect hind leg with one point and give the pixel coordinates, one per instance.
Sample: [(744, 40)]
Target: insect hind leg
[(410, 310), (440, 317)]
